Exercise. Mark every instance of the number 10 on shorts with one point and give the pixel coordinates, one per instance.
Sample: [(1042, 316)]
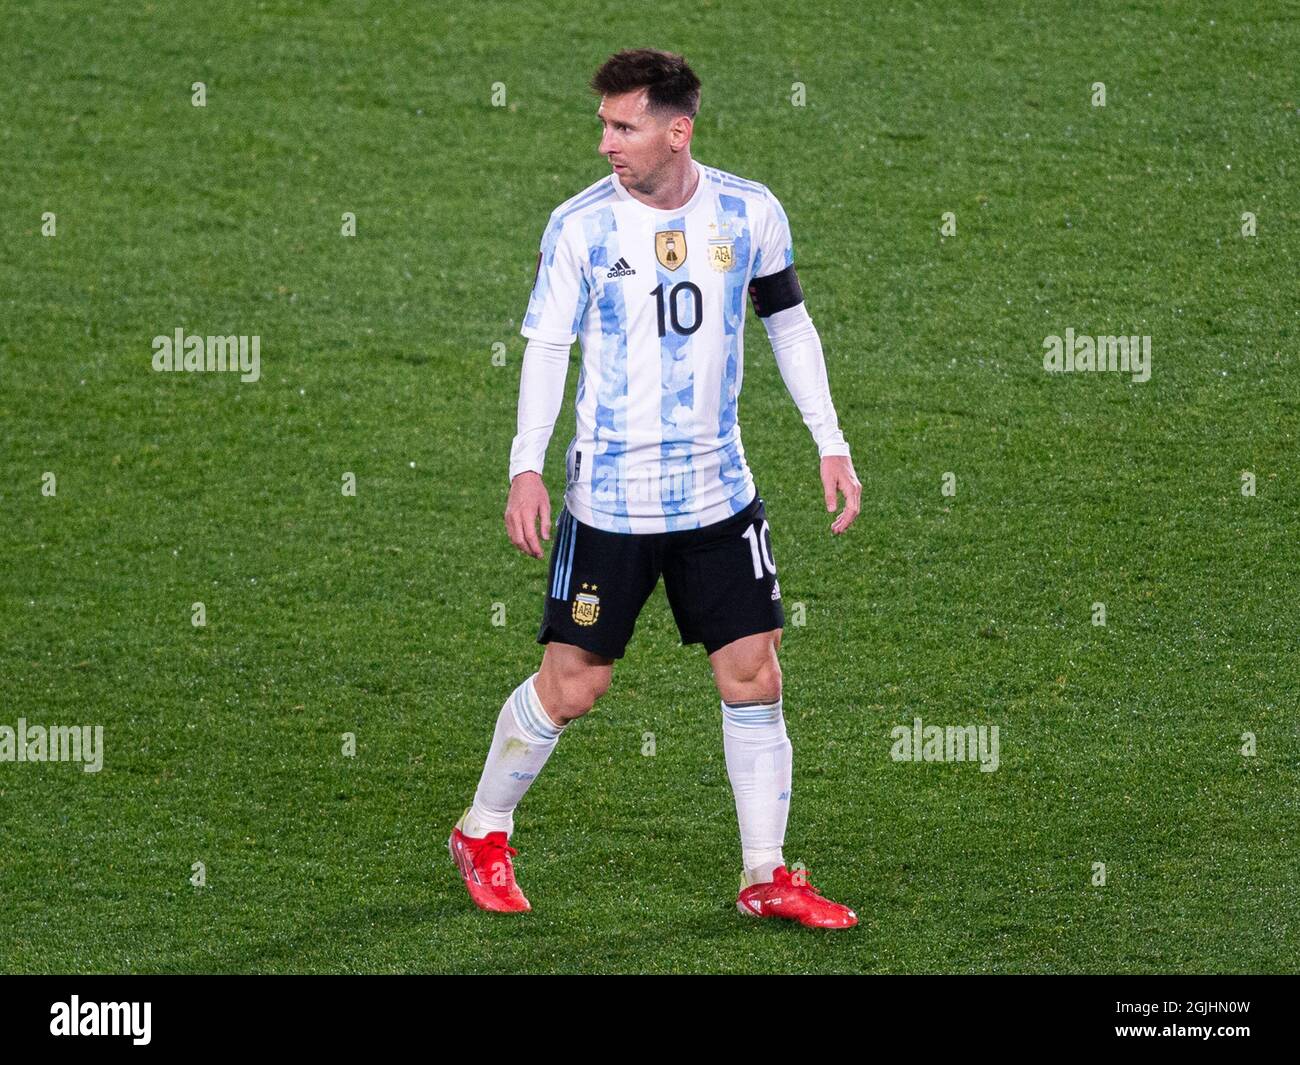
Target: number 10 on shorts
[(760, 549)]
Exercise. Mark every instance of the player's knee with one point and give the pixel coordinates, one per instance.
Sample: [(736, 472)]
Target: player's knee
[(768, 679), (592, 684), (580, 688), (756, 676), (570, 681)]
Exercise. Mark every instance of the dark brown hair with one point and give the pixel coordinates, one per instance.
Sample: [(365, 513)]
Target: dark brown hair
[(673, 87)]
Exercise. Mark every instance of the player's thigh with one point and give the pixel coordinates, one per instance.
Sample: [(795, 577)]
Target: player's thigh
[(721, 580)]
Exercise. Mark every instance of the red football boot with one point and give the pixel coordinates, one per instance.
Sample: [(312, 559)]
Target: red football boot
[(485, 867), (793, 898)]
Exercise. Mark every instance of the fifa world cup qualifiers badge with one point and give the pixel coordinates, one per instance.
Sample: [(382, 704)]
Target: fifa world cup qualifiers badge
[(586, 605)]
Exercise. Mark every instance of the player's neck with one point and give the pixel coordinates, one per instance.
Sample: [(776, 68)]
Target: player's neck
[(675, 192)]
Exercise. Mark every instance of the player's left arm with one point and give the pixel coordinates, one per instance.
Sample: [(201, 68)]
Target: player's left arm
[(778, 301)]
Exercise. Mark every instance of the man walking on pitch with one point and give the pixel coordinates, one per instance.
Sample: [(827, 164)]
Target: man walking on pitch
[(650, 266)]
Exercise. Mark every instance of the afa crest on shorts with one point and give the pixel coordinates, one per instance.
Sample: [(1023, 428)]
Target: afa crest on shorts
[(586, 606)]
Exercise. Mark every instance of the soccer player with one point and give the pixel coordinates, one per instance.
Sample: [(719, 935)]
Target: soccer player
[(650, 267)]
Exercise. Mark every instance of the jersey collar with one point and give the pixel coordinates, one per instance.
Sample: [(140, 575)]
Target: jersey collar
[(659, 212)]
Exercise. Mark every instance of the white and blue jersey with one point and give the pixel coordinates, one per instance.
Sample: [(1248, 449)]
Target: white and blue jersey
[(657, 300)]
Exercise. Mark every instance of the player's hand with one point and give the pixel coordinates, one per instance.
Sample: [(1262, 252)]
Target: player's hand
[(528, 504), (838, 478)]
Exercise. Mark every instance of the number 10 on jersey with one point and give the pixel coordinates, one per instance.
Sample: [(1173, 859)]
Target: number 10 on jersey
[(675, 307)]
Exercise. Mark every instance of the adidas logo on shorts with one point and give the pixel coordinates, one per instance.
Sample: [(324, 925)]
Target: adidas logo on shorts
[(620, 269)]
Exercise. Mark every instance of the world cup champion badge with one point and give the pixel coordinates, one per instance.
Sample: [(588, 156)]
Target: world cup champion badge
[(670, 248), (586, 606)]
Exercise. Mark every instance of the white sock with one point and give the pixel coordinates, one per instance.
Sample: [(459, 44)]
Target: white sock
[(760, 763), (524, 738)]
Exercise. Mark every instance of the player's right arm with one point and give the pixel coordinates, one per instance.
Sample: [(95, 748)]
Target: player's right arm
[(555, 309)]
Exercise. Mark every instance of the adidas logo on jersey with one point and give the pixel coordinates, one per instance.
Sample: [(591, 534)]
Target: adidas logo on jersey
[(620, 269)]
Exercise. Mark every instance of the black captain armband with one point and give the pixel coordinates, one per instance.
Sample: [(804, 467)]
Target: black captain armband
[(776, 292)]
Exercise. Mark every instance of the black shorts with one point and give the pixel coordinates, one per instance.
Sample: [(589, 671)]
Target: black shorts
[(720, 579)]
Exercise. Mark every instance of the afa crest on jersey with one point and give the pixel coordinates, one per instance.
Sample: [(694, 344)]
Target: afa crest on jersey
[(586, 606), (722, 247)]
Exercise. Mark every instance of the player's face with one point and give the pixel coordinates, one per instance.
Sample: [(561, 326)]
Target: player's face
[(637, 144)]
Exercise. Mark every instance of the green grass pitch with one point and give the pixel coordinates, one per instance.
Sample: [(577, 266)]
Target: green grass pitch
[(373, 615)]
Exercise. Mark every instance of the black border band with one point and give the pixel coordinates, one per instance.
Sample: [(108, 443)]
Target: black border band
[(775, 292)]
